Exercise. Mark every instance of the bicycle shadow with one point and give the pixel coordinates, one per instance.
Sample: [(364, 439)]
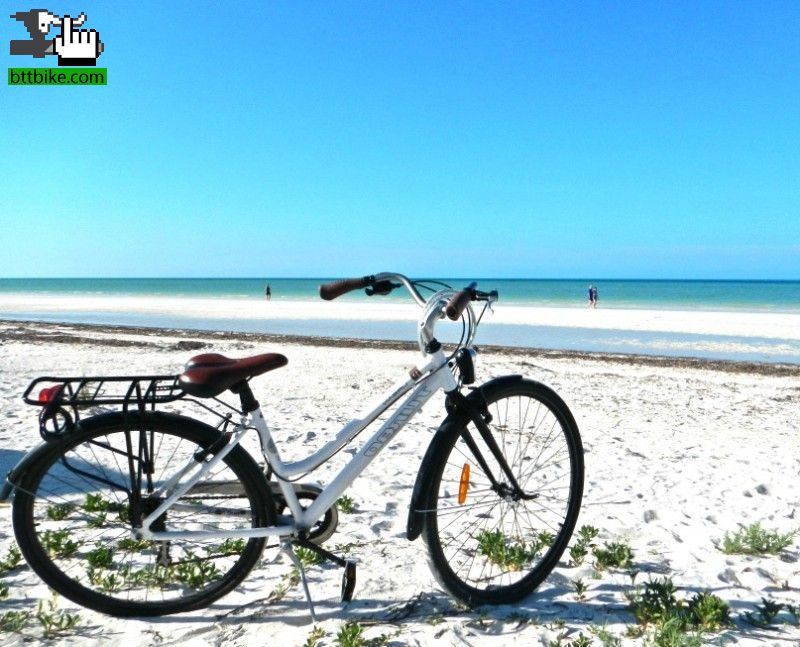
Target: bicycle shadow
[(8, 459), (553, 606)]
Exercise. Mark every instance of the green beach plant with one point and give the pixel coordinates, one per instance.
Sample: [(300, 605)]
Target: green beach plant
[(708, 612), (656, 602), (350, 634), (14, 621), (501, 550), (580, 549), (346, 504), (755, 540), (674, 622), (95, 503), (109, 582), (314, 636), (765, 613), (308, 557), (672, 633), (581, 640), (291, 579), (97, 520), (54, 621), (128, 544), (59, 511), (58, 544), (227, 547), (580, 589), (11, 560), (195, 573), (100, 557), (613, 555), (606, 638)]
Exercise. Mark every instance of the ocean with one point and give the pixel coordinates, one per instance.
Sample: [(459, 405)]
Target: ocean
[(748, 296), (737, 297)]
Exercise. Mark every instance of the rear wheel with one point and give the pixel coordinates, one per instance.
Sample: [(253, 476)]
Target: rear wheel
[(76, 509), (487, 542)]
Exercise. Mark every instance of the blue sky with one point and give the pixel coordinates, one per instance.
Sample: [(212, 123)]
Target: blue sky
[(530, 139)]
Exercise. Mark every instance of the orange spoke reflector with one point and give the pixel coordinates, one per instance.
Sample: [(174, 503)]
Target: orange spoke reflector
[(464, 484)]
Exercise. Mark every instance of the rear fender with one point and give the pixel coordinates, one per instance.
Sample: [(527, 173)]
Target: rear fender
[(456, 420)]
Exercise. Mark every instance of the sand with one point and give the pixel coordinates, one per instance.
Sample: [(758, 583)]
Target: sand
[(773, 325), (678, 453)]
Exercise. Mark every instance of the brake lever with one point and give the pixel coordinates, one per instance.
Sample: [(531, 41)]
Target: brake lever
[(489, 297), (381, 288)]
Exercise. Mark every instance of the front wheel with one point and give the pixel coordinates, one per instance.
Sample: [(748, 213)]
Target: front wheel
[(489, 542), (77, 508)]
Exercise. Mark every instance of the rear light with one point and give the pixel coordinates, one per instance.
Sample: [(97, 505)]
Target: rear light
[(49, 394)]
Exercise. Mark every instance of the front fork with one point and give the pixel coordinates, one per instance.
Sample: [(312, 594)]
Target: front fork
[(481, 417)]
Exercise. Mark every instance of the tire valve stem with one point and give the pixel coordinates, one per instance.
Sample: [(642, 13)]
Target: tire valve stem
[(464, 484)]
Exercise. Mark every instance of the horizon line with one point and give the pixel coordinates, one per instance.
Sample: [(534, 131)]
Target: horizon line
[(336, 278)]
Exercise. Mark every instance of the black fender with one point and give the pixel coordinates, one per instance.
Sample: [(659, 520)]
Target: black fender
[(455, 421)]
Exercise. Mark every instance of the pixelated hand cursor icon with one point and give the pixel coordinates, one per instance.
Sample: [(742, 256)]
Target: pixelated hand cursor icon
[(77, 46)]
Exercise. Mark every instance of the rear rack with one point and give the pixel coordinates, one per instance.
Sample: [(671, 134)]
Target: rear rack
[(139, 390)]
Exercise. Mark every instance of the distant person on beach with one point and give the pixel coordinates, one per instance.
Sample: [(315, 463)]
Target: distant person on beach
[(268, 292), (594, 296), (589, 293)]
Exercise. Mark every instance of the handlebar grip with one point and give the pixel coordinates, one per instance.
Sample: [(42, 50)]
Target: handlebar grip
[(330, 291), (459, 301)]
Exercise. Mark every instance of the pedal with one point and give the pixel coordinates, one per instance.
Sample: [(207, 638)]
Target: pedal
[(348, 581)]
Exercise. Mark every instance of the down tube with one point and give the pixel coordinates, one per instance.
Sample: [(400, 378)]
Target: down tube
[(440, 379)]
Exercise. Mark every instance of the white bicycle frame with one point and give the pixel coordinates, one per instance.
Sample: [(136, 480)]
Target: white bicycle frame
[(426, 379)]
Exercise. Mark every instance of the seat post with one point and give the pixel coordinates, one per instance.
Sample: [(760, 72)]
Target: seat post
[(246, 397)]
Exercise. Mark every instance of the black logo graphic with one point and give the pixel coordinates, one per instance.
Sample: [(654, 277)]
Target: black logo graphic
[(73, 46)]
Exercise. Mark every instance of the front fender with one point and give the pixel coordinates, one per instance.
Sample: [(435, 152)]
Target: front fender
[(455, 421)]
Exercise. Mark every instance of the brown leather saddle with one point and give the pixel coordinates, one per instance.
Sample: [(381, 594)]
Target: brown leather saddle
[(208, 375)]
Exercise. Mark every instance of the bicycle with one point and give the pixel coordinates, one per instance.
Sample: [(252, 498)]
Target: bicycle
[(137, 512)]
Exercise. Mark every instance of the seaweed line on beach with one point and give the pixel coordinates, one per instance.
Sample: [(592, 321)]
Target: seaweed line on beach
[(68, 333)]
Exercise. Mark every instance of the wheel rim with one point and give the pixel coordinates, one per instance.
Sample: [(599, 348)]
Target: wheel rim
[(490, 537), (79, 520)]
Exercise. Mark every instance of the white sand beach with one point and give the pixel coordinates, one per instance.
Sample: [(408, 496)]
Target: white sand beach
[(739, 335), (677, 455), (746, 324)]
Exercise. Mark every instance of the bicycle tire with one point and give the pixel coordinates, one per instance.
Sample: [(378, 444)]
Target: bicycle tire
[(489, 548), (73, 517)]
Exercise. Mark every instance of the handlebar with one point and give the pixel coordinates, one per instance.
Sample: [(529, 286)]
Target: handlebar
[(455, 307), (435, 308), (379, 282), (329, 291)]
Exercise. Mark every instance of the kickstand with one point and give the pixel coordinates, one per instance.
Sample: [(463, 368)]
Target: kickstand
[(287, 547)]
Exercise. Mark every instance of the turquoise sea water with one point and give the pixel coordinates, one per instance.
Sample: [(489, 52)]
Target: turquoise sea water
[(770, 296)]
